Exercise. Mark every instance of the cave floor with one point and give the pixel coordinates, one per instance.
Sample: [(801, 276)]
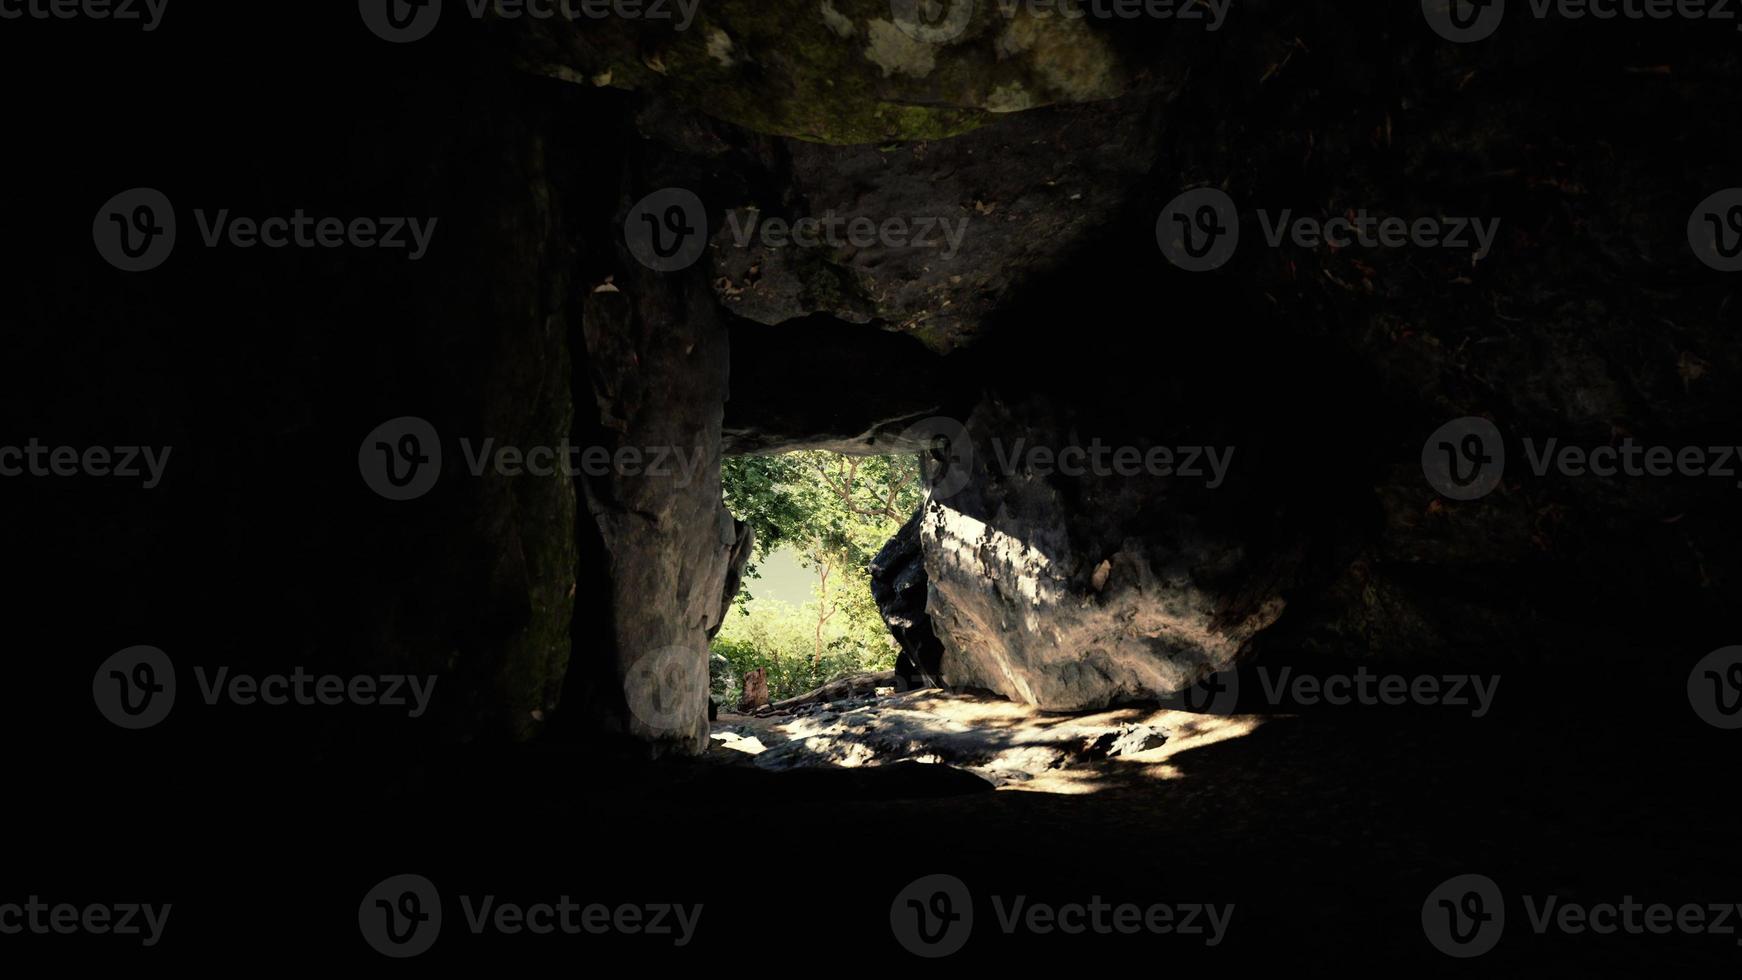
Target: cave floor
[(1012, 746), (1326, 830)]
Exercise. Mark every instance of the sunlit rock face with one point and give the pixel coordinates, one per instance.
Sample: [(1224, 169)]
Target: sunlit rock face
[(1074, 591)]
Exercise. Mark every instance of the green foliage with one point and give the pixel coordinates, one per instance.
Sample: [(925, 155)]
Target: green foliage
[(780, 638), (847, 506), (835, 512)]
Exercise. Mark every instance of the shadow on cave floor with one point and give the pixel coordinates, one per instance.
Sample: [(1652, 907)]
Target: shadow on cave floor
[(1326, 830)]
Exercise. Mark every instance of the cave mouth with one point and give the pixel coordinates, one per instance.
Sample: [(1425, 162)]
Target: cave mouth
[(804, 620), (825, 657)]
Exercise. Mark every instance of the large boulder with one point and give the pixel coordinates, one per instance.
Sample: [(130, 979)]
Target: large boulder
[(1075, 591)]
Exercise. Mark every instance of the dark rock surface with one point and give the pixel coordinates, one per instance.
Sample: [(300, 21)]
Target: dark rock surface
[(1323, 369), (898, 583), (787, 381)]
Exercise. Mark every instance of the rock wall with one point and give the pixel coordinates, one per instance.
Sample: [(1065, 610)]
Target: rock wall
[(1587, 318), (656, 366)]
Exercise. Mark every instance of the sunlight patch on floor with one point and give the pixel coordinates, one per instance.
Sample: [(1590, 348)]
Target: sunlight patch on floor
[(1013, 746)]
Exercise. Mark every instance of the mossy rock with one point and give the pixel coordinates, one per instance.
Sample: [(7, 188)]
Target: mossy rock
[(847, 71)]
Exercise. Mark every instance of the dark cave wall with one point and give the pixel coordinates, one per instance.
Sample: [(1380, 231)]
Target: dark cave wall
[(1590, 321), (536, 598), (264, 550)]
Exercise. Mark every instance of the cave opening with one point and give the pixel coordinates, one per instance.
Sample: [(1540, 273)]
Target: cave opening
[(804, 624)]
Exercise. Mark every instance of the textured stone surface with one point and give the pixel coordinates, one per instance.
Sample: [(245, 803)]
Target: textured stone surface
[(898, 583), (1590, 321), (1078, 593), (999, 207), (841, 71), (656, 359)]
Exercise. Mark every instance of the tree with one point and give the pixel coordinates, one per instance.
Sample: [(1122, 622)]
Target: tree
[(835, 512)]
